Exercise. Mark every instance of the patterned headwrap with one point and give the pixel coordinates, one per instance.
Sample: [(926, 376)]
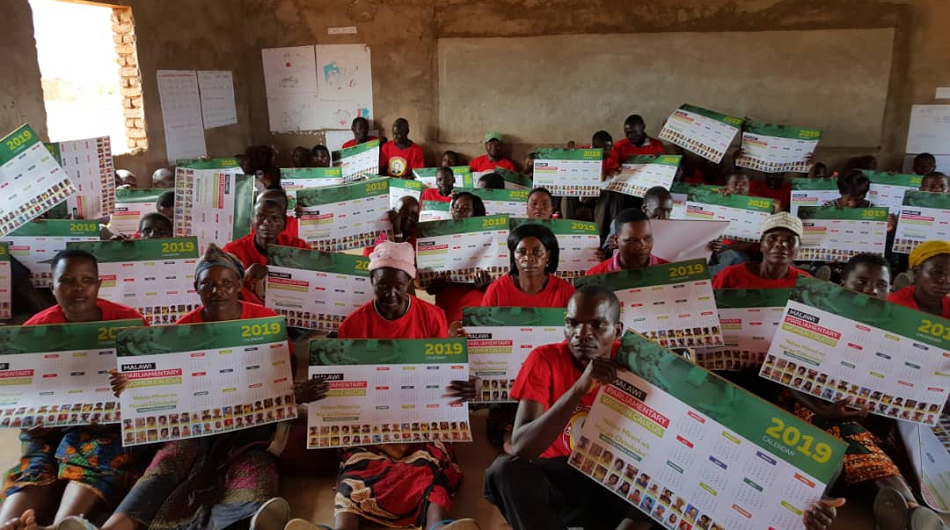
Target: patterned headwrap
[(215, 257), (927, 250)]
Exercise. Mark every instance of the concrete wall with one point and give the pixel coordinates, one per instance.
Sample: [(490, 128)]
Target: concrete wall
[(403, 34), (172, 35)]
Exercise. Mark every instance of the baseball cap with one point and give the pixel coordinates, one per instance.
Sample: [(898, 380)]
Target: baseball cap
[(783, 220), (489, 136)]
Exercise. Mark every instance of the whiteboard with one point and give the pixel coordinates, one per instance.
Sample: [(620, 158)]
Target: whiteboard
[(551, 89), (929, 130)]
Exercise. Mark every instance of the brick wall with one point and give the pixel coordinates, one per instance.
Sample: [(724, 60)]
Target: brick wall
[(131, 78)]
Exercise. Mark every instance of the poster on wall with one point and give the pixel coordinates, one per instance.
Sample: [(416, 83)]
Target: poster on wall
[(290, 81), (88, 163), (217, 98), (181, 114), (344, 84)]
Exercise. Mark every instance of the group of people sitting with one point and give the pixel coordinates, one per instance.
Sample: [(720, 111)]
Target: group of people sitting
[(83, 477)]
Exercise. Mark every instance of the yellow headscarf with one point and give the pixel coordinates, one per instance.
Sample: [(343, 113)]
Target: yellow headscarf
[(927, 250)]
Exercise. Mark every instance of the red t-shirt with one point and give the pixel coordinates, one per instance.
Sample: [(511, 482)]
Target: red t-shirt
[(248, 310), (246, 251), (783, 194), (611, 164), (422, 321), (432, 194), (110, 311), (353, 143), (504, 293), (483, 163), (905, 297), (453, 297), (740, 277), (613, 265), (398, 162), (625, 149), (547, 373)]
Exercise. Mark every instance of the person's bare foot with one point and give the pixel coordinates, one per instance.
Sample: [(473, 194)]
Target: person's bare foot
[(26, 521)]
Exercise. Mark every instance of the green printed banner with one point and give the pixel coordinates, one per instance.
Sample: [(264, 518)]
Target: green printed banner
[(804, 184), (513, 316), (844, 214), (486, 194), (311, 173), (337, 352), (406, 184), (17, 142), (243, 206), (926, 199), (515, 180), (138, 195), (212, 163), (15, 340), (344, 192), (662, 160), (569, 154), (563, 227), (463, 176), (782, 131), (359, 149), (667, 274), (194, 337), (744, 298), (462, 226), (893, 179), (57, 228), (140, 249), (711, 195), (437, 206), (314, 260), (724, 118), (740, 412)]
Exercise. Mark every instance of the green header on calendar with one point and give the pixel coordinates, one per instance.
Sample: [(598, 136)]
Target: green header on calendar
[(140, 249), (569, 154), (336, 352), (212, 163), (814, 184), (711, 195), (926, 199), (751, 417), (405, 184), (158, 340), (746, 298), (311, 172), (782, 131), (500, 195), (893, 179), (343, 192), (724, 118), (516, 179), (844, 214), (513, 316), (138, 195), (462, 226), (900, 320), (57, 228), (359, 149), (663, 160), (666, 274), (315, 260), (560, 227), (62, 337), (436, 206), (4, 251), (15, 143)]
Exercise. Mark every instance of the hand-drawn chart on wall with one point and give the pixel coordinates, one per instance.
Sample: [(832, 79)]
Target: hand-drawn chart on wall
[(317, 87)]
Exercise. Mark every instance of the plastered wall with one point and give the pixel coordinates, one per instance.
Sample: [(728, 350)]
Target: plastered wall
[(403, 34)]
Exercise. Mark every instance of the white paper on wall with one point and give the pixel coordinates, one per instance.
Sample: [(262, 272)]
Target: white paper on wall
[(181, 114), (217, 98), (290, 80), (929, 130), (344, 84)]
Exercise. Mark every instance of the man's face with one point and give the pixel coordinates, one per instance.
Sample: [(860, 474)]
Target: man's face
[(152, 228), (360, 130), (540, 206), (635, 132), (934, 184), (589, 329), (738, 185), (493, 148), (269, 220), (932, 277), (870, 279), (779, 246), (321, 158), (851, 201), (300, 157), (606, 145), (658, 206), (923, 166), (76, 286), (445, 181), (391, 288), (449, 160), (635, 243), (407, 215), (400, 130)]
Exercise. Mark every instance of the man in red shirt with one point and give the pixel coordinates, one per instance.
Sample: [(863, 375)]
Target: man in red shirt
[(773, 187), (444, 184), (780, 241), (634, 245), (636, 141), (493, 157), (537, 488), (399, 157), (268, 223), (360, 128)]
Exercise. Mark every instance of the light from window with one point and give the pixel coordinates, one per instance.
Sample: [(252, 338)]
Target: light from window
[(78, 51)]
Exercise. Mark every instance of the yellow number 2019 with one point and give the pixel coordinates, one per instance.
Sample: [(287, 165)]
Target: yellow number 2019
[(935, 329), (184, 246), (107, 333), (256, 330), (454, 348), (19, 140), (791, 436), (686, 270)]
